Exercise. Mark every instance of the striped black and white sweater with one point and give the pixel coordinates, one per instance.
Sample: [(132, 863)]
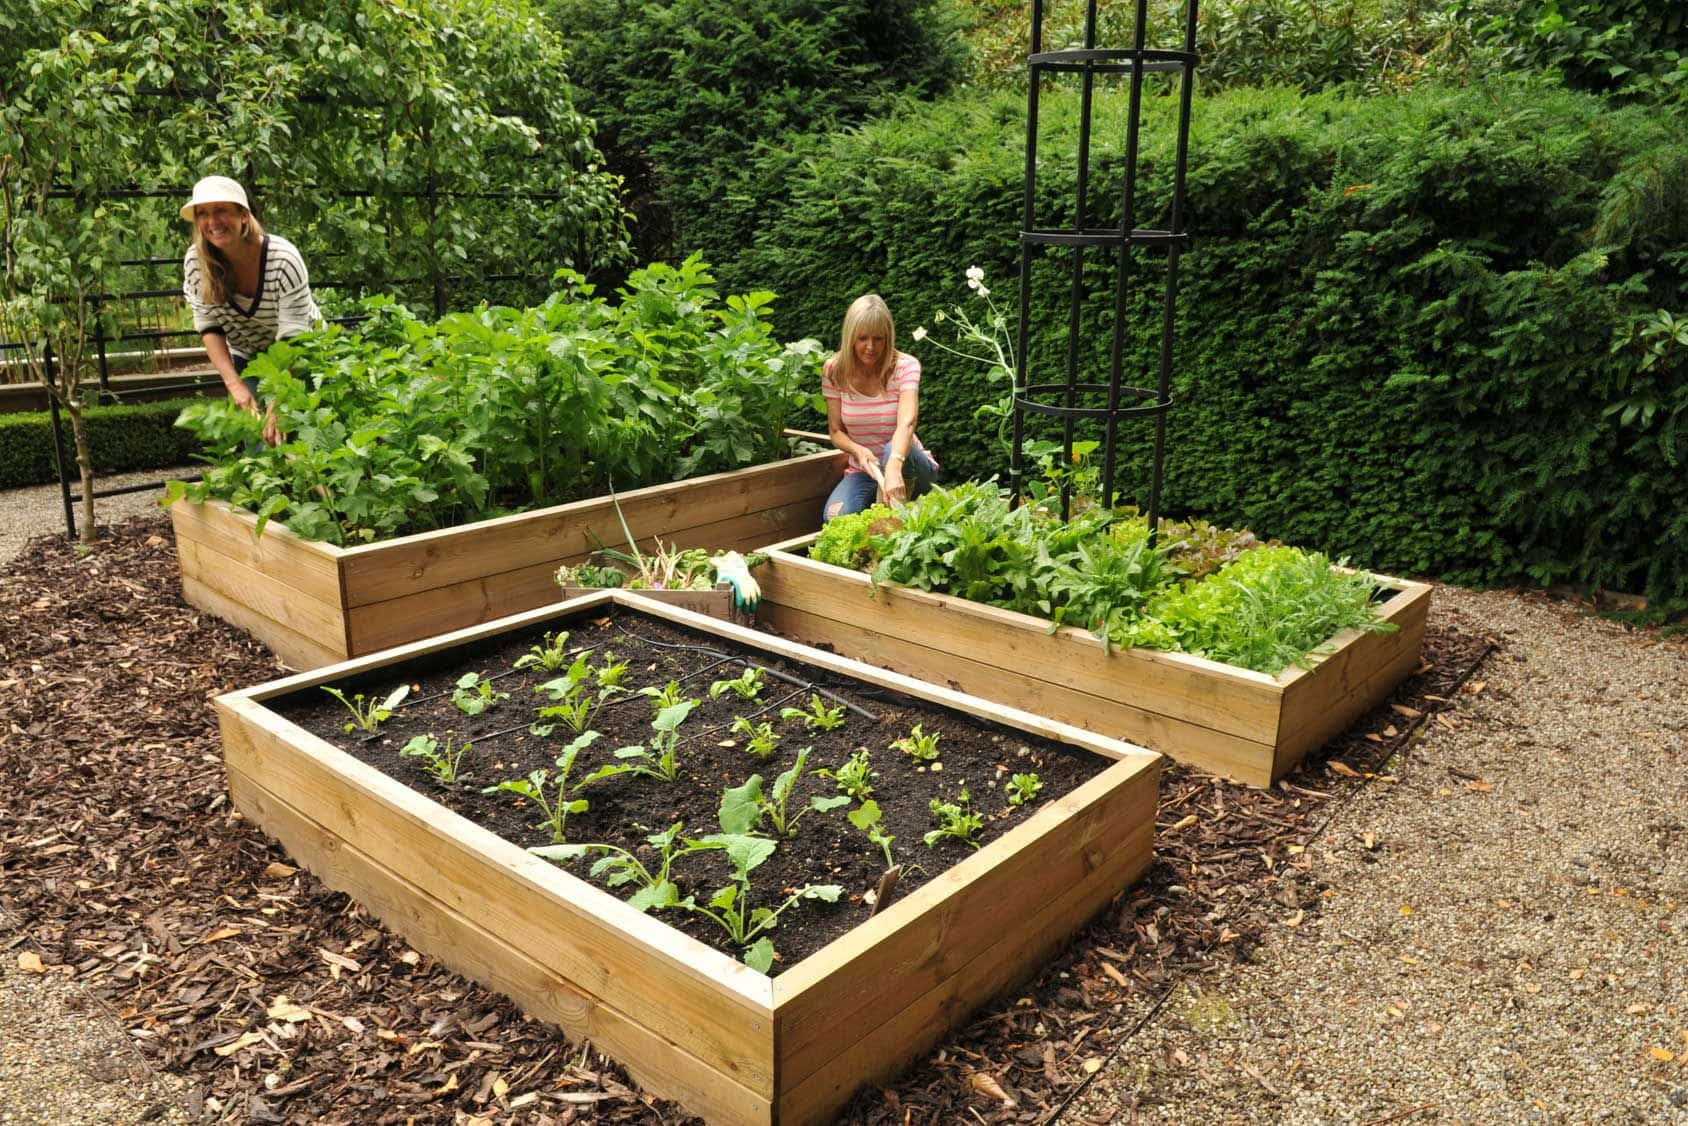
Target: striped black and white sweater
[(282, 307)]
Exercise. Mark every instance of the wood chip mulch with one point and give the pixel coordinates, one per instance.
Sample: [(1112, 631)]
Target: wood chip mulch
[(279, 1000)]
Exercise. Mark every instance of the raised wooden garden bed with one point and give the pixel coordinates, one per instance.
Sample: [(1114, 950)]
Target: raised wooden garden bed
[(314, 603), (1239, 724), (689, 1022)]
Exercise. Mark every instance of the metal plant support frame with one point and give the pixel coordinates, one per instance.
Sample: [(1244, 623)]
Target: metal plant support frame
[(1123, 401)]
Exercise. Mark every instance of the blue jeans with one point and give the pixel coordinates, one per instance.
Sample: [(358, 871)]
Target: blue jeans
[(855, 492)]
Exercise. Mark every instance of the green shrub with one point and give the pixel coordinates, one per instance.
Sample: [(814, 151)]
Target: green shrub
[(686, 92), (121, 439), (1413, 330)]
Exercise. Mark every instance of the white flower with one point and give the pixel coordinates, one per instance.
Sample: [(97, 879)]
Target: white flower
[(983, 292), (975, 275), (920, 333)]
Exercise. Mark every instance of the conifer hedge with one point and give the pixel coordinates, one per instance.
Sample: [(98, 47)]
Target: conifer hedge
[(1412, 330)]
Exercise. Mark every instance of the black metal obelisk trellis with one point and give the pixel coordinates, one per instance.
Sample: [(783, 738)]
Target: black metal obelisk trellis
[(1073, 399)]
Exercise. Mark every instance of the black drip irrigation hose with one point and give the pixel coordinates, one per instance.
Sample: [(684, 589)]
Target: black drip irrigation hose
[(1341, 803), (808, 685)]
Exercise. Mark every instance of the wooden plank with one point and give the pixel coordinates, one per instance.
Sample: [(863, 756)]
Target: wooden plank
[(716, 602), (291, 610), (680, 989), (1235, 701), (295, 650), (918, 943), (1309, 694), (455, 555), (1009, 947), (427, 613), (1229, 756), (459, 941), (1360, 699), (302, 565)]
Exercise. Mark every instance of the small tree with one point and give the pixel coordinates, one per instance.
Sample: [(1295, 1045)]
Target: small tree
[(63, 146)]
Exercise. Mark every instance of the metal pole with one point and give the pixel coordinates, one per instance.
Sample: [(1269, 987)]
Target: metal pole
[(1027, 222), (1086, 98)]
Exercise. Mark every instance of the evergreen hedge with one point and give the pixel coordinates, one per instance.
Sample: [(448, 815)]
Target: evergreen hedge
[(1409, 331), (120, 438)]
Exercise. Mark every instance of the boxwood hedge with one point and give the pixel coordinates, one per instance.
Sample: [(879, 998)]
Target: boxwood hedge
[(121, 439)]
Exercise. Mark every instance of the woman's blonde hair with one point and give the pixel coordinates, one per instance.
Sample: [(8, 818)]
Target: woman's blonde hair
[(215, 272), (867, 314)]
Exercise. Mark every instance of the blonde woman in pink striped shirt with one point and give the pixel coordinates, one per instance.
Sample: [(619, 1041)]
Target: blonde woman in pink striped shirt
[(872, 394)]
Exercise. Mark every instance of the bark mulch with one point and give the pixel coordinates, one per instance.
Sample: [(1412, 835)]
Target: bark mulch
[(279, 1000)]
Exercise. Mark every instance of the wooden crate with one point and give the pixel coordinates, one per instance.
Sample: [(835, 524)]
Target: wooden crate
[(1238, 724), (688, 1022), (316, 604), (716, 602)]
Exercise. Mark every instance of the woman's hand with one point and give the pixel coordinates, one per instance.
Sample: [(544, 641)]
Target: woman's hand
[(891, 484)]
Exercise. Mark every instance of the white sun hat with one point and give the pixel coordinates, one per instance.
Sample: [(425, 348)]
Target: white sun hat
[(215, 189)]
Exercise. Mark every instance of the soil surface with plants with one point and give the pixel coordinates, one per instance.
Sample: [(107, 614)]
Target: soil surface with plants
[(270, 998), (733, 714)]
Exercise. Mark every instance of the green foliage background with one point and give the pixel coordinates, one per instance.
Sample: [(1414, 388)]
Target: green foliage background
[(1407, 333), (697, 101)]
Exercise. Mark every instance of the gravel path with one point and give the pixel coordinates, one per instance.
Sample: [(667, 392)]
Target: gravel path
[(1498, 933), (37, 511), (1494, 932)]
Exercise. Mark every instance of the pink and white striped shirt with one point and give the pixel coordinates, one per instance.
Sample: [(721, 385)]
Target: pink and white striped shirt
[(871, 419)]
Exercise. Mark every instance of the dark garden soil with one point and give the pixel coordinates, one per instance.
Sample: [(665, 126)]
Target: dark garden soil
[(974, 756), (125, 870)]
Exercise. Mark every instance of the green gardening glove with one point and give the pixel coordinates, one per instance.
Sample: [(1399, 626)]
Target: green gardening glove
[(730, 568)]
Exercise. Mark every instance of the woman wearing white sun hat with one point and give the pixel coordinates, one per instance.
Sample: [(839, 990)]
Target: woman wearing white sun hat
[(247, 289)]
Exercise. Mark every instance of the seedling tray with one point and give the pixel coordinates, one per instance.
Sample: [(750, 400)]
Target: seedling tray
[(687, 1021), (1233, 722), (315, 604)]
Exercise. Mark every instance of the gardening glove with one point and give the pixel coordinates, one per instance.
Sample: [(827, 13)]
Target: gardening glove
[(730, 568)]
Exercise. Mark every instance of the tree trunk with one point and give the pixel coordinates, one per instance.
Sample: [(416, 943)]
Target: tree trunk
[(85, 464)]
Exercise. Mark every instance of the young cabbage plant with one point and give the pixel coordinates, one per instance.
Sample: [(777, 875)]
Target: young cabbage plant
[(747, 685), (660, 759), (667, 696), (574, 705), (866, 818), (760, 738), (557, 809), (956, 820), (441, 765), (474, 694), (744, 808), (619, 867), (551, 654), (368, 714), (855, 777), (730, 907), (818, 717)]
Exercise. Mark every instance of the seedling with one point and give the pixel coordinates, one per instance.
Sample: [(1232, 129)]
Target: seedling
[(761, 739), (730, 906), (667, 696), (441, 765), (866, 818), (575, 705), (955, 819), (747, 685), (855, 777), (618, 867), (660, 759), (475, 694), (367, 714), (1023, 788), (744, 808), (818, 717), (918, 745), (549, 655), (557, 809)]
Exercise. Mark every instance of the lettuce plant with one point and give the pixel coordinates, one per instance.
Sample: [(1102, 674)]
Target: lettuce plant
[(368, 714), (745, 807), (557, 807)]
